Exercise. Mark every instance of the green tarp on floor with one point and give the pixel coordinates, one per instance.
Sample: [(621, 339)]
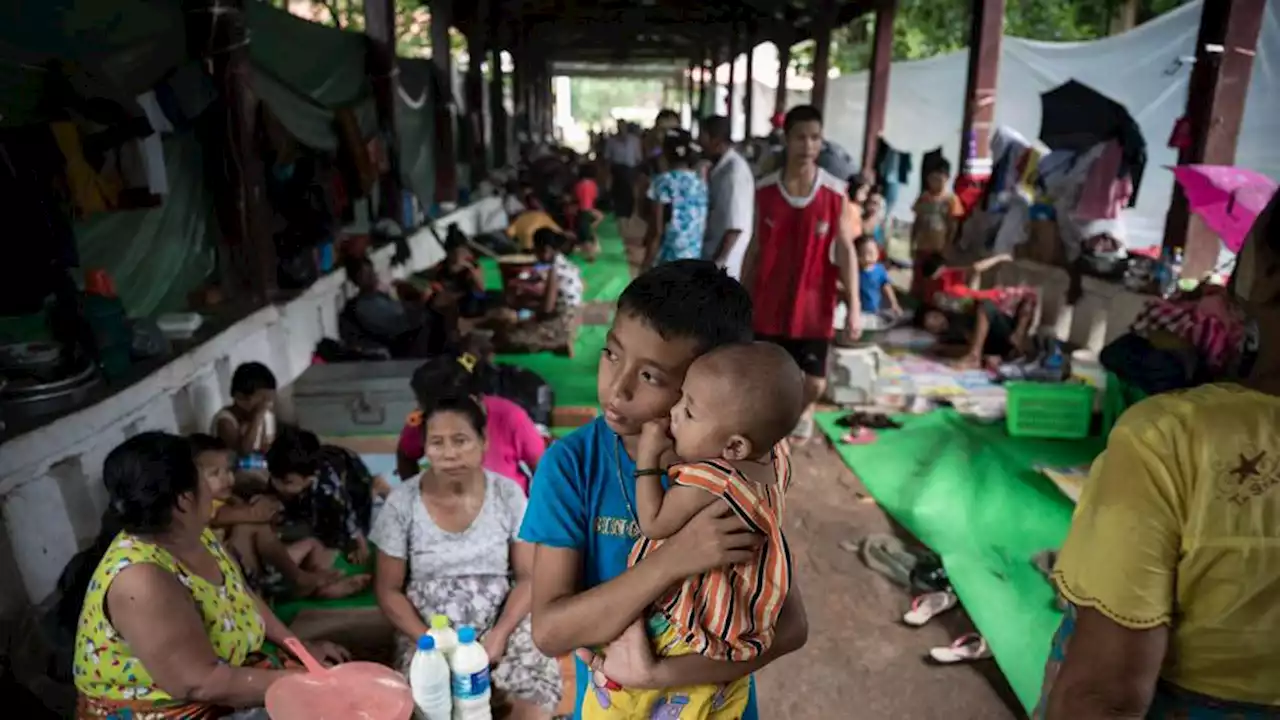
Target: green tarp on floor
[(970, 492), (574, 379)]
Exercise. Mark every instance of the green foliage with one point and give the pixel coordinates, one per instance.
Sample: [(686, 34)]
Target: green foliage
[(591, 99), (924, 28)]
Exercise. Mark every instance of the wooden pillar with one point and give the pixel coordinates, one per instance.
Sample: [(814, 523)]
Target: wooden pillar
[(1225, 48), (822, 53), (218, 38), (689, 96), (734, 50), (985, 30), (878, 81), (784, 63), (710, 90), (499, 136), (380, 26), (749, 83), (519, 81), (446, 146), (476, 121)]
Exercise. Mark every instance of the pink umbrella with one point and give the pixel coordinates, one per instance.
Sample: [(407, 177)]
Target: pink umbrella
[(1227, 198)]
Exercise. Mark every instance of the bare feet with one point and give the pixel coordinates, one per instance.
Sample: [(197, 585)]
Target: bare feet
[(345, 587), (967, 362), (310, 583)]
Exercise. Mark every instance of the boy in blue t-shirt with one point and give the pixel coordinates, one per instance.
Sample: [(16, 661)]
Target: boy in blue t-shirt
[(873, 279), (581, 512)]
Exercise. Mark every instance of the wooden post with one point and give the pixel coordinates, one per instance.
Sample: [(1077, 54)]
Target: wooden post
[(749, 83), (380, 27), (985, 31), (218, 37), (446, 146), (822, 53), (688, 95), (784, 63), (710, 90), (499, 135), (702, 87), (1225, 48), (878, 81), (476, 122), (734, 51)]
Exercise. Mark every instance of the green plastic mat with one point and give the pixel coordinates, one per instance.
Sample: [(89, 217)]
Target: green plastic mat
[(288, 611), (574, 378), (971, 493)]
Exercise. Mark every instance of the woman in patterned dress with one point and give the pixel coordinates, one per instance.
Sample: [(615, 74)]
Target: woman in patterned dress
[(679, 198), (447, 545), (168, 628)]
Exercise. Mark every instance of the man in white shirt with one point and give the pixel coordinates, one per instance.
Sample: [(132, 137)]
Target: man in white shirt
[(731, 192), (624, 154)]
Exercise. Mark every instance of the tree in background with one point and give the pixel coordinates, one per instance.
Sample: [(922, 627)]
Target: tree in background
[(592, 100), (924, 28), (413, 22)]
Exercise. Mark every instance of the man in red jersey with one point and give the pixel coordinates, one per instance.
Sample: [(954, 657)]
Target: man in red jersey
[(802, 255)]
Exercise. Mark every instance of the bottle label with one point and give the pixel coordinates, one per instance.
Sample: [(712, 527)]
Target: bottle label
[(470, 686)]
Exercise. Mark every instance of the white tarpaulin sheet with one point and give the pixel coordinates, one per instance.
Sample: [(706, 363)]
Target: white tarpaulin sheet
[(1146, 69)]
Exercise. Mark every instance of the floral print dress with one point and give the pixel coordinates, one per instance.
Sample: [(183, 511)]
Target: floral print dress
[(685, 194), (108, 676)]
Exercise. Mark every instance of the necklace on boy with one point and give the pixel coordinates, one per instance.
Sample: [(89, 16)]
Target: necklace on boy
[(622, 484)]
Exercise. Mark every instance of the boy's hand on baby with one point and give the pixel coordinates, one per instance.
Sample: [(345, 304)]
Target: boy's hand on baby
[(655, 438), (713, 539), (628, 660)]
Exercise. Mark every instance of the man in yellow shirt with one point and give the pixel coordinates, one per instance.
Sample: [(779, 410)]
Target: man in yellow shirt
[(1172, 565), (526, 224)]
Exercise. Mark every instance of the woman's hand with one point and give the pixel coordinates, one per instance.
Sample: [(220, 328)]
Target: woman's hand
[(327, 652), (714, 538), (627, 660), (494, 643)]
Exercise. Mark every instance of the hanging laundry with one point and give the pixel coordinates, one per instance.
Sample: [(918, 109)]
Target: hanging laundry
[(185, 94), (151, 147), (91, 193), (1105, 190), (893, 167)]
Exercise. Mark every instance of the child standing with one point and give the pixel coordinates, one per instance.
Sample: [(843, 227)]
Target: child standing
[(581, 512), (738, 403), (938, 212), (873, 280)]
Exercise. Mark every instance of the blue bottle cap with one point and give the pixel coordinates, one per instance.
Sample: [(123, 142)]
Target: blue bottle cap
[(466, 634), (426, 642)]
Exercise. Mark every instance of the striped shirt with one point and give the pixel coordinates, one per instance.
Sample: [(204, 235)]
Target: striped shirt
[(730, 613)]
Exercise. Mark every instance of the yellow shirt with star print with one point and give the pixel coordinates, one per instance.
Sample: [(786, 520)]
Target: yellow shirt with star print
[(1179, 525)]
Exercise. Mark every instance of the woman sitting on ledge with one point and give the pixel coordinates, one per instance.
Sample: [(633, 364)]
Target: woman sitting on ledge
[(168, 628)]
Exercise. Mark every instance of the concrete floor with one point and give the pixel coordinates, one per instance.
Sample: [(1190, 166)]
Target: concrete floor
[(861, 662)]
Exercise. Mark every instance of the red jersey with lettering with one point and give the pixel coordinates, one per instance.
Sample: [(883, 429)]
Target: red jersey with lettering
[(795, 293)]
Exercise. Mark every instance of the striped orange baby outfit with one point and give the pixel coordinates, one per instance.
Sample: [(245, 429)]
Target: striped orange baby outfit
[(730, 613)]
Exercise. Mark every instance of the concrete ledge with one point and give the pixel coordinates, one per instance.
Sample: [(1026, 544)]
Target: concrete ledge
[(51, 478)]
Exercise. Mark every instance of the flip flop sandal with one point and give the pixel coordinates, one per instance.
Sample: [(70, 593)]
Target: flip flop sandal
[(859, 436), (928, 606), (966, 648)]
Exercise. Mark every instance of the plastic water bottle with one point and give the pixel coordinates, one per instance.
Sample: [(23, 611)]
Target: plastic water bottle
[(429, 681), (470, 666), (444, 635)]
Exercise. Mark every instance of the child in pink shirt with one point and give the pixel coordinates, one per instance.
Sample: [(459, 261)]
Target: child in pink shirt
[(511, 435)]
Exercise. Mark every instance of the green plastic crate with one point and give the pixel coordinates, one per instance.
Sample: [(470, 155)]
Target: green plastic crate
[(1049, 410)]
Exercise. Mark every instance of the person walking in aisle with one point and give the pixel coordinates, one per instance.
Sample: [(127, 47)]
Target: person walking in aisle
[(731, 191), (802, 257), (623, 152)]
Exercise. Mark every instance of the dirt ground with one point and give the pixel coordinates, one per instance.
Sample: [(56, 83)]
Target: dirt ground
[(861, 662)]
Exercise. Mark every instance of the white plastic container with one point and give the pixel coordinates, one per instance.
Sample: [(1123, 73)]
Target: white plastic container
[(470, 667), (445, 636), (430, 683), (179, 326)]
